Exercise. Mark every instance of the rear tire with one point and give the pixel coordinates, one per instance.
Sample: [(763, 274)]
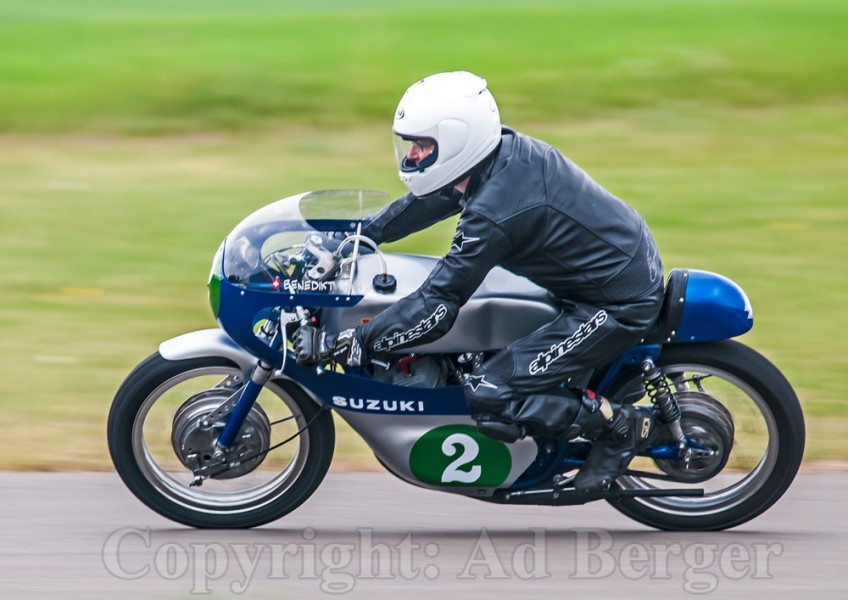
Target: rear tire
[(156, 478), (739, 374)]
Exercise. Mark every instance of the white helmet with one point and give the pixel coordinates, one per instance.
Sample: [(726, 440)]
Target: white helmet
[(453, 123)]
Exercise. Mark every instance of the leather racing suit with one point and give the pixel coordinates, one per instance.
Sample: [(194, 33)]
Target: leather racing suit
[(533, 212)]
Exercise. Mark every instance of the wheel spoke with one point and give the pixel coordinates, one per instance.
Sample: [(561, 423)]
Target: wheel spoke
[(746, 427), (255, 481), (748, 453)]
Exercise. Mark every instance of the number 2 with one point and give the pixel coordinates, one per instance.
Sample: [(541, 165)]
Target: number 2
[(470, 449)]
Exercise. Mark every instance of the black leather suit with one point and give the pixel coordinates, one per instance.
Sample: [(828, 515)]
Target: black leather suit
[(537, 214)]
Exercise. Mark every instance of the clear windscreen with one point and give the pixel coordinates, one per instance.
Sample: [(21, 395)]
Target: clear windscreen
[(296, 244)]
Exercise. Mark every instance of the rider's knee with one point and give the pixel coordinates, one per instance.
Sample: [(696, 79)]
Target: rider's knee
[(486, 393)]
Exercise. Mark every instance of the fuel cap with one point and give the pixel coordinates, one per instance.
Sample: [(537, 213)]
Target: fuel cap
[(384, 283)]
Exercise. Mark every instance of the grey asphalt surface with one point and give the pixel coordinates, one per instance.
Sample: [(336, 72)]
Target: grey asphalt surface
[(83, 535)]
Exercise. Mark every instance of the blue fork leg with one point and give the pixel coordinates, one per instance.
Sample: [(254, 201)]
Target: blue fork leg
[(261, 375)]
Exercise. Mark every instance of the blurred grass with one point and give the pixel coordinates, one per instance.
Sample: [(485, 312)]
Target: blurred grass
[(160, 67), (133, 136)]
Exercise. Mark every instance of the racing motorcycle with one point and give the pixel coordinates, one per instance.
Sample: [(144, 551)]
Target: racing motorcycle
[(218, 429)]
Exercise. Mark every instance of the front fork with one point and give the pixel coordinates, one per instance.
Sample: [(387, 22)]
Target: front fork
[(236, 415), (273, 330), (235, 412), (260, 376)]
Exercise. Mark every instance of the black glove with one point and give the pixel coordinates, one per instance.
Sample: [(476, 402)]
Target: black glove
[(331, 240), (314, 346), (310, 346)]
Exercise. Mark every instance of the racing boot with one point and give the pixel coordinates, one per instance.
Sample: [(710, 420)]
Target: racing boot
[(629, 431), (501, 413), (563, 414), (496, 429)]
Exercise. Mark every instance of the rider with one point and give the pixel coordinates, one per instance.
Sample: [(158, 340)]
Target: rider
[(527, 208)]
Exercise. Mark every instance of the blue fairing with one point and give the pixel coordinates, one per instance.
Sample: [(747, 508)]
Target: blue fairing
[(241, 308), (363, 394), (715, 308)]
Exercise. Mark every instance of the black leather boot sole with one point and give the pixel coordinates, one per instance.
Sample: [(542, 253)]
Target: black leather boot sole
[(630, 432)]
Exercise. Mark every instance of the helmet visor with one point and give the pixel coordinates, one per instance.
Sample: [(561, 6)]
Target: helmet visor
[(415, 153)]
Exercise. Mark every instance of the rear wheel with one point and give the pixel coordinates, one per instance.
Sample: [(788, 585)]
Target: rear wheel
[(157, 438), (744, 420)]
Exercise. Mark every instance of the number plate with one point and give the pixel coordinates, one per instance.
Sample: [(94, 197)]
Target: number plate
[(457, 455)]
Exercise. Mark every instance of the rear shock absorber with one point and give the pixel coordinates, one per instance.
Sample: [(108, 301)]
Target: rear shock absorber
[(660, 394)]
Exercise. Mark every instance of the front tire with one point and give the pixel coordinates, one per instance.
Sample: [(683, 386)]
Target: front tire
[(158, 393), (766, 453)]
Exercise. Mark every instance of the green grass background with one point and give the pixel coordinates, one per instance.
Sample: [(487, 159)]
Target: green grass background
[(133, 136)]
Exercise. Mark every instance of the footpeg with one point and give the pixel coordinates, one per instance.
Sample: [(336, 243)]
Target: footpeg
[(563, 496), (633, 493)]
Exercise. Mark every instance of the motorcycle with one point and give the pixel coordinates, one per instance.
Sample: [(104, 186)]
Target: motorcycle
[(218, 429)]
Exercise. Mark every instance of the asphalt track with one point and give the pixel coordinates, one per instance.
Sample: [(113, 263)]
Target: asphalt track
[(82, 535)]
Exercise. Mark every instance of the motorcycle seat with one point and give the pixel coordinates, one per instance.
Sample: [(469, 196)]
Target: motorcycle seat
[(665, 328)]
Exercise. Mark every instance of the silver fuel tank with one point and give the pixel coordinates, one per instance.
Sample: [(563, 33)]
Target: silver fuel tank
[(504, 308)]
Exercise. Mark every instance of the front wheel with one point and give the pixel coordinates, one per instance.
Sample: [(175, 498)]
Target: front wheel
[(159, 434), (744, 418)]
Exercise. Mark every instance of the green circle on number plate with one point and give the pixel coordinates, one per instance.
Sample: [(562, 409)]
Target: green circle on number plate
[(457, 455)]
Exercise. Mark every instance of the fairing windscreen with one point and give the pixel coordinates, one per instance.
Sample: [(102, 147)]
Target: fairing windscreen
[(289, 246)]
